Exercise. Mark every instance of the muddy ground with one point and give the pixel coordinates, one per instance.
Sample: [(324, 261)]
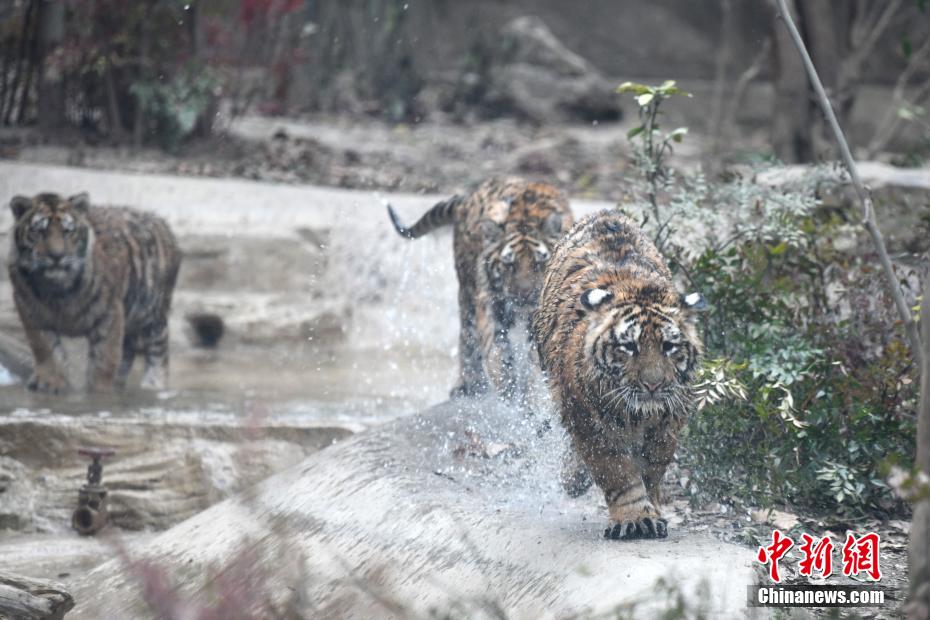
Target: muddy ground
[(588, 161)]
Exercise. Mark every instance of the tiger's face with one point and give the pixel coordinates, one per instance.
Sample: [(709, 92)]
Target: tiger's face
[(52, 239), (641, 347), (516, 263)]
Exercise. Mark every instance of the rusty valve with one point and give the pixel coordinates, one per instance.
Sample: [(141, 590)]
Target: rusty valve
[(91, 514)]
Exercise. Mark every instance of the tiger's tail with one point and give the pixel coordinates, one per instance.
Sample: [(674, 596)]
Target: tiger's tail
[(441, 214)]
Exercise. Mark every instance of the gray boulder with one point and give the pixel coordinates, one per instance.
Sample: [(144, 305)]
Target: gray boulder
[(532, 75)]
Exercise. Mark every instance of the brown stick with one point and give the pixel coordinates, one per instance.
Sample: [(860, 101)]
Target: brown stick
[(7, 55), (32, 65), (116, 120), (919, 547), (868, 211)]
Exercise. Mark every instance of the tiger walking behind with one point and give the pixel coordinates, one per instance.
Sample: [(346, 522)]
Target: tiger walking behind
[(104, 273), (503, 234)]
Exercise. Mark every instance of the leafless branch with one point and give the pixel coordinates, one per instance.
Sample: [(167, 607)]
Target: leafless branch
[(745, 78), (868, 211), (874, 28), (890, 121)]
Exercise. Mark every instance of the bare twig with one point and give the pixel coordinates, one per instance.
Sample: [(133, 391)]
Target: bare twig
[(890, 121), (742, 83), (873, 30), (919, 545), (114, 116), (865, 198)]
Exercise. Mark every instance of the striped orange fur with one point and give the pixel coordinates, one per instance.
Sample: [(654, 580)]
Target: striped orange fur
[(503, 233), (619, 347), (104, 273)]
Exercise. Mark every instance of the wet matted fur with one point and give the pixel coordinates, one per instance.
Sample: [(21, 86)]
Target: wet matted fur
[(503, 234), (104, 273), (619, 348)]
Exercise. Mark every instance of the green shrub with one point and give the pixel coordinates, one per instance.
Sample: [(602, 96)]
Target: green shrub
[(174, 110), (806, 394)]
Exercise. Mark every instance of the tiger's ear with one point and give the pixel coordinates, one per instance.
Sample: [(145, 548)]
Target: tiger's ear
[(694, 302), (19, 205), (594, 297), (79, 202), (552, 226)]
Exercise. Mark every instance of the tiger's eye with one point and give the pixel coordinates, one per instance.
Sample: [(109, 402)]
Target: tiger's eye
[(507, 256)]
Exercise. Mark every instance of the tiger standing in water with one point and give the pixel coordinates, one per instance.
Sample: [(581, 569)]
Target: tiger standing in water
[(503, 235), (620, 349), (104, 273)]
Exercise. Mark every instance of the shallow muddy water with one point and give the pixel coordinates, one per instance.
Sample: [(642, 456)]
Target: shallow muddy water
[(353, 388)]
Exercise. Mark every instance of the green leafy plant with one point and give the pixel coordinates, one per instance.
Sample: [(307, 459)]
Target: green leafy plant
[(806, 393), (654, 145)]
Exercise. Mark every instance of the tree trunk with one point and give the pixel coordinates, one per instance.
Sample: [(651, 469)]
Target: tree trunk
[(792, 113), (20, 60), (824, 24), (51, 88), (919, 603)]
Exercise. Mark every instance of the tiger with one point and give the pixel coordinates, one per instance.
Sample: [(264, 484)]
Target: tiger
[(619, 348), (103, 273), (503, 233)]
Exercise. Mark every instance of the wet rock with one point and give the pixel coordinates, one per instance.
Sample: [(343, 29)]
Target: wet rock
[(14, 355), (25, 598), (213, 263), (318, 237), (381, 525), (901, 197), (778, 518), (17, 500), (326, 327), (162, 473)]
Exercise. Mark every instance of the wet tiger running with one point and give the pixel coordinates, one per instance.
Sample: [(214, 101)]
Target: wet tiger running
[(503, 233), (104, 273), (619, 348)]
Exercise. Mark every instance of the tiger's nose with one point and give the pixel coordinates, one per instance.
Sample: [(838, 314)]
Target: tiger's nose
[(652, 387)]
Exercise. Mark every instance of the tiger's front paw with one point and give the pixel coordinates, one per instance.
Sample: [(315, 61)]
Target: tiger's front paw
[(631, 529), (48, 381), (155, 378)]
